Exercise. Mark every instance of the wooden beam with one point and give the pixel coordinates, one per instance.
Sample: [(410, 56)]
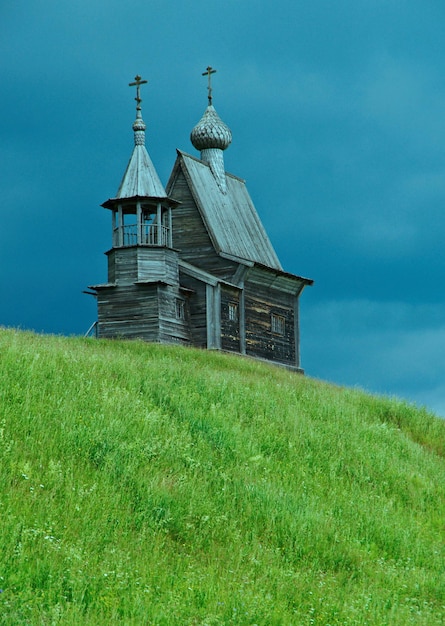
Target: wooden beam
[(297, 331), (138, 223), (120, 226), (159, 221), (170, 228), (242, 321), (210, 317)]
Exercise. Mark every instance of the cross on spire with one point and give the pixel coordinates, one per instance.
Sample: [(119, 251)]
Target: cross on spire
[(138, 82), (209, 71)]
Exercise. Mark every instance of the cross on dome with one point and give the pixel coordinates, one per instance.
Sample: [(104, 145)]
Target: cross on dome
[(210, 132), (138, 125), (138, 82), (211, 136), (209, 71)]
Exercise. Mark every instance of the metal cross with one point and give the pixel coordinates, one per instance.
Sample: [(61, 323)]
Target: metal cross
[(209, 71), (138, 82)]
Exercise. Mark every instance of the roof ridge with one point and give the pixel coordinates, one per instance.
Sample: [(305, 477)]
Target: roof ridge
[(195, 158)]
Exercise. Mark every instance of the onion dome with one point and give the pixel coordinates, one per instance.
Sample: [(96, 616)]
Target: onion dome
[(211, 136), (211, 132)]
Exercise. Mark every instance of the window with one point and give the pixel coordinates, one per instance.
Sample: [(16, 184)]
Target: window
[(180, 309), (278, 324), (233, 312)]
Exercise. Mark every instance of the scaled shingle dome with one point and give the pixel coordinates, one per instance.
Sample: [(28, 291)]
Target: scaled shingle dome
[(211, 132)]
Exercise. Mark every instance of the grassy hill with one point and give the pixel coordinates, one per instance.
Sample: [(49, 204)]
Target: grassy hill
[(144, 484)]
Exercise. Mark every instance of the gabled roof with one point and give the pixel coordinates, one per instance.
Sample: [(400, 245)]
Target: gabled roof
[(230, 218)]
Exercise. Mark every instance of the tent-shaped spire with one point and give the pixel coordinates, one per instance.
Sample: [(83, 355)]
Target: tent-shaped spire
[(140, 179)]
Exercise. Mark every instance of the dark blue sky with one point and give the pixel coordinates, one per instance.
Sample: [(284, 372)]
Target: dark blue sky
[(338, 118)]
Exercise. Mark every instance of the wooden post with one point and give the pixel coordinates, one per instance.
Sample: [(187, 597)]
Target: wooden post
[(159, 221), (210, 317), (170, 228), (139, 233), (114, 238), (297, 331), (120, 225), (242, 320), (217, 324), (213, 315)]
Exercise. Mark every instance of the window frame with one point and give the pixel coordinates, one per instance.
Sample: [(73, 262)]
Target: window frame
[(180, 309), (233, 312), (277, 324)]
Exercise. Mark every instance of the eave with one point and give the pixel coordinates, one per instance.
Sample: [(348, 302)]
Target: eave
[(164, 200)]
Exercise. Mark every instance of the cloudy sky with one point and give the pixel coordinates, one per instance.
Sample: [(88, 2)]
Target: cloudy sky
[(337, 111)]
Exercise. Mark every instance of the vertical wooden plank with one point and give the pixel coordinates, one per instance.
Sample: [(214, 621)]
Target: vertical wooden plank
[(170, 228), (210, 316), (297, 331), (138, 223), (217, 322), (242, 320), (159, 221), (120, 226), (113, 228), (230, 316)]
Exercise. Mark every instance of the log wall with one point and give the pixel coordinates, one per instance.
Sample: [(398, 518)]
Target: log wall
[(230, 328), (197, 310), (128, 312), (145, 312), (260, 304), (139, 263), (190, 235)]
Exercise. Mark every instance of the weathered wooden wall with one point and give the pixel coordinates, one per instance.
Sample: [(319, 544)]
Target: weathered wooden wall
[(130, 311), (122, 265), (139, 263), (230, 329), (146, 311), (171, 328), (260, 304), (197, 310), (190, 235)]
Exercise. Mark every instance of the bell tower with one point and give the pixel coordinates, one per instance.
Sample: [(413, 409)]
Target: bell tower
[(142, 298), (141, 210)]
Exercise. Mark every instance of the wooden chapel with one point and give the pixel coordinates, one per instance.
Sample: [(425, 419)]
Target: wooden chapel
[(191, 263)]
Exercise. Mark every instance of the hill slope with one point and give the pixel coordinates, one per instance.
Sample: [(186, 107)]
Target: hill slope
[(144, 484)]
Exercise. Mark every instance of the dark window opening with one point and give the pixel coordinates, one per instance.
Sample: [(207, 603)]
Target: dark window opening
[(278, 324), (180, 309), (233, 312)]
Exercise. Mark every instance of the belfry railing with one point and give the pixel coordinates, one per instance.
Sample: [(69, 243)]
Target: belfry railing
[(149, 235)]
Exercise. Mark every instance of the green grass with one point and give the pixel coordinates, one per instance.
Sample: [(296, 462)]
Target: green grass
[(145, 484)]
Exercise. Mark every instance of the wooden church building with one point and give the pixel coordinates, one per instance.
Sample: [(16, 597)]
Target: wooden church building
[(191, 263)]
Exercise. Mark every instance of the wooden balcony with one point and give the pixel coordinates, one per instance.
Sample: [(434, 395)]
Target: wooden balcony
[(142, 235)]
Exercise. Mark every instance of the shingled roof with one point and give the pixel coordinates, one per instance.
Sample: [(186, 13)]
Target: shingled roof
[(230, 217), (140, 179)]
